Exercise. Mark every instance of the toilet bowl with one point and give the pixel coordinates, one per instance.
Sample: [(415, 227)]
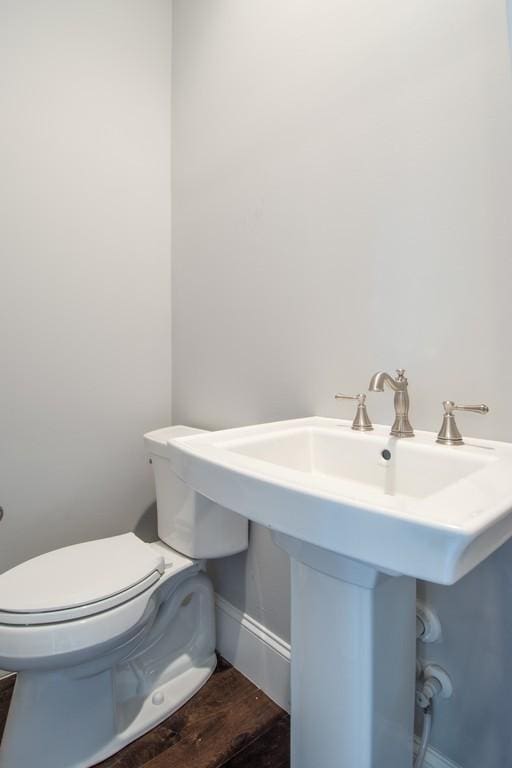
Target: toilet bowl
[(109, 637)]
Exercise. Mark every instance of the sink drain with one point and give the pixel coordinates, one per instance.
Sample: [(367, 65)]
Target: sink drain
[(386, 455)]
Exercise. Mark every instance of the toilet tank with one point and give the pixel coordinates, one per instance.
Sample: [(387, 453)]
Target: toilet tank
[(188, 522)]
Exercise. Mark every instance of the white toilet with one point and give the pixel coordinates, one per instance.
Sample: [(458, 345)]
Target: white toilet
[(110, 637)]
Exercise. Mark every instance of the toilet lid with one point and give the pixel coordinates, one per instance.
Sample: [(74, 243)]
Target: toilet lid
[(82, 576)]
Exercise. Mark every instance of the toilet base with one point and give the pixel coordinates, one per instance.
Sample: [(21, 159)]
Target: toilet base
[(77, 717), (174, 694)]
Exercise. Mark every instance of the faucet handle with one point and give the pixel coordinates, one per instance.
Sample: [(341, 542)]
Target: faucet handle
[(361, 421), (361, 397), (449, 433), (449, 406)]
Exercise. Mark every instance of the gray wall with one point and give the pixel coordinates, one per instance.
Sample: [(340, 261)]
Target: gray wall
[(341, 203), (84, 266)]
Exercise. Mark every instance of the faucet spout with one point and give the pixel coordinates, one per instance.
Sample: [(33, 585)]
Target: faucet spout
[(401, 426), (379, 379)]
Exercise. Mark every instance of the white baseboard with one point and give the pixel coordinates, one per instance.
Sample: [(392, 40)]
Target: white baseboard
[(434, 759), (264, 658), (256, 652)]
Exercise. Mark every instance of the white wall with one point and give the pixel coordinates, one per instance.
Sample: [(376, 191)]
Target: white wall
[(341, 203), (84, 265)]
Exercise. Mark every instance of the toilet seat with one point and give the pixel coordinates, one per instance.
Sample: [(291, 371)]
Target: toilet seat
[(78, 581), (29, 644)]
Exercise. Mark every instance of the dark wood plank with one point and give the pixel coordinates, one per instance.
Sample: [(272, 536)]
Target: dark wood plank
[(270, 750), (6, 687), (7, 682), (139, 752)]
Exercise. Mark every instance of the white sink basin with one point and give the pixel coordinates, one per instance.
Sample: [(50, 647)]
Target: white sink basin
[(359, 529), (430, 511)]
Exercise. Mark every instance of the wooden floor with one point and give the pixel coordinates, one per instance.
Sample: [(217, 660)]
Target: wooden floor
[(229, 723)]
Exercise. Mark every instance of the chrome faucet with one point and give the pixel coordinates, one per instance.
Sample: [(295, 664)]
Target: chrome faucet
[(449, 433), (401, 426)]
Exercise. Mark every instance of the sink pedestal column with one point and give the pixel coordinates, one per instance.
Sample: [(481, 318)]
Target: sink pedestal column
[(353, 662)]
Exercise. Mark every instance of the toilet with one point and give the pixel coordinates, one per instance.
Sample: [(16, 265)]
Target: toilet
[(109, 637)]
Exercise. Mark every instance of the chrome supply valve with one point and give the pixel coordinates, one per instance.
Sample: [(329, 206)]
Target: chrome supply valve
[(449, 433), (436, 682), (361, 421)]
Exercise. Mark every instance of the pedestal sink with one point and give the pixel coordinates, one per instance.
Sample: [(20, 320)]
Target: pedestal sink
[(362, 515)]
